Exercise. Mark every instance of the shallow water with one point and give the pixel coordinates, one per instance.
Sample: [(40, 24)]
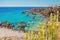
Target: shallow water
[(14, 14)]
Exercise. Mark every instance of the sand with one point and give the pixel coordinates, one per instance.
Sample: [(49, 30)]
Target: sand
[(11, 34)]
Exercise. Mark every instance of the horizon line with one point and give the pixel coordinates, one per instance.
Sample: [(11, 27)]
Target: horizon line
[(28, 5)]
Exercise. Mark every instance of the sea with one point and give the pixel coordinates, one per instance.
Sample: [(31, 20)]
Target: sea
[(15, 14)]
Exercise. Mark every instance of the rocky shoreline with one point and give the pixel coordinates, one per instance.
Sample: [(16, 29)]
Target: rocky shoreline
[(44, 11), (18, 26)]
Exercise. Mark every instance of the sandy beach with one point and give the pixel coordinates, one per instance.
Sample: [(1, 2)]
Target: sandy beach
[(10, 34)]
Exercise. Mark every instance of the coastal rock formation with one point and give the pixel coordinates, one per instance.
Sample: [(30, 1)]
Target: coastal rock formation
[(45, 11)]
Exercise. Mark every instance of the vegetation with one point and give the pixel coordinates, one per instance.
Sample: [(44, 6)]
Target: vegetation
[(48, 31)]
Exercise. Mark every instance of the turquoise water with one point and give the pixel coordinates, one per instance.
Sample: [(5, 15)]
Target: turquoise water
[(14, 14)]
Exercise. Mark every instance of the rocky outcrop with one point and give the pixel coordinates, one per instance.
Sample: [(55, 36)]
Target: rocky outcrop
[(45, 11)]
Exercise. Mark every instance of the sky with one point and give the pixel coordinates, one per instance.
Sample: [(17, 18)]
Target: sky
[(29, 2)]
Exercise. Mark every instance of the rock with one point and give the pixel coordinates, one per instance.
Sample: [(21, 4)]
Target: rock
[(45, 11)]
